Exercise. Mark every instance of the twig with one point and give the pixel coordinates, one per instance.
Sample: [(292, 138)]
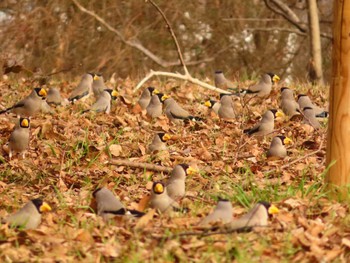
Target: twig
[(147, 166)]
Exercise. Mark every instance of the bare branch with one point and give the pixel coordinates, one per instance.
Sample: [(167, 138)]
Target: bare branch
[(147, 166), (173, 36)]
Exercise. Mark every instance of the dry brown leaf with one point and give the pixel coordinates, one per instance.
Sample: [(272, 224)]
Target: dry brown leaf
[(144, 220)]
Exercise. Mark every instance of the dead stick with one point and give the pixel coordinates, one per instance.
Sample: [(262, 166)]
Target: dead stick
[(147, 166)]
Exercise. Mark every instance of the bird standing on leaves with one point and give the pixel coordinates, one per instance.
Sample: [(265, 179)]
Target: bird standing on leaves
[(108, 205), (222, 212), (146, 95), (155, 107), (288, 105), (222, 82), (29, 216), (264, 86), (160, 200), (84, 88), (304, 101), (277, 147), (226, 110), (266, 124), (158, 142), (19, 138), (310, 118), (54, 97), (30, 105), (257, 216), (176, 113), (98, 85), (176, 182), (103, 103)]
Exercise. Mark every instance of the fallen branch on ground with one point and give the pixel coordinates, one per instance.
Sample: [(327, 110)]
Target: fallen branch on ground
[(147, 166)]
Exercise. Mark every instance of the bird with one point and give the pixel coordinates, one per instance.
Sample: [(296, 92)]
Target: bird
[(30, 105), (29, 216), (176, 113), (277, 147), (305, 101), (146, 96), (213, 105), (103, 103), (288, 105), (19, 138), (98, 85), (264, 86), (266, 124), (257, 216), (83, 89), (155, 107), (108, 205), (176, 183), (160, 200), (222, 212), (54, 97), (226, 110), (310, 118), (158, 142), (221, 82)]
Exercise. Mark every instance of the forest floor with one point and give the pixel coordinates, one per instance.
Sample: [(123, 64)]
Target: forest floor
[(71, 154)]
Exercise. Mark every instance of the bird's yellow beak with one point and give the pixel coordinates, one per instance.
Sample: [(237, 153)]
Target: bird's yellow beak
[(279, 114), (287, 141), (191, 171), (115, 93), (43, 92), (275, 78), (155, 92), (96, 77), (207, 103), (25, 123), (158, 188), (45, 207), (166, 137), (273, 210), (164, 97)]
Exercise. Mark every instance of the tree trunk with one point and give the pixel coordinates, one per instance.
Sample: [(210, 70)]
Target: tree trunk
[(338, 148), (315, 70)]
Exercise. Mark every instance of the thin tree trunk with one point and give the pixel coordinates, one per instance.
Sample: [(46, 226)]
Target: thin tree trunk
[(338, 148), (315, 71)]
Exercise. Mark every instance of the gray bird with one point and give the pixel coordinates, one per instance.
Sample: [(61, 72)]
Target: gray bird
[(108, 205), (98, 85), (29, 216), (304, 101), (103, 103), (54, 97), (266, 124), (257, 216), (84, 88), (158, 142), (19, 138), (30, 105), (160, 200), (176, 183), (176, 113), (310, 118), (277, 147), (213, 105), (288, 104), (264, 86), (222, 212), (146, 95), (222, 82), (226, 110), (155, 107)]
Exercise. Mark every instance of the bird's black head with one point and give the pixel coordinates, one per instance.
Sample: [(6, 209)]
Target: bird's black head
[(282, 138), (91, 74), (271, 74), (218, 71), (24, 122), (221, 199), (114, 94), (301, 95), (158, 188), (265, 204), (284, 88), (150, 89), (41, 92), (274, 111), (184, 166), (37, 203)]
